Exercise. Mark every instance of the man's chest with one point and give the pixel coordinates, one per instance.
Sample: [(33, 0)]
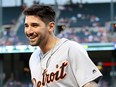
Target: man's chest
[(50, 70)]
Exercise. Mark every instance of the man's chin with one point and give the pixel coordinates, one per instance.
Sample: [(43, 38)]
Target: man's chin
[(33, 44)]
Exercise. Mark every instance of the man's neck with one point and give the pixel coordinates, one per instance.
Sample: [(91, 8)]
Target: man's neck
[(49, 44)]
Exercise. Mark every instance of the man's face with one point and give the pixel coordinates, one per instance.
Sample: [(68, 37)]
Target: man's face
[(36, 30)]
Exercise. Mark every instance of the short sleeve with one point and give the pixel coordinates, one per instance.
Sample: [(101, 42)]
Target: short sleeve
[(83, 67), (33, 61)]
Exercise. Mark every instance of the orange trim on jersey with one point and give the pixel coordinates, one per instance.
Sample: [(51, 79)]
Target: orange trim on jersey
[(53, 76)]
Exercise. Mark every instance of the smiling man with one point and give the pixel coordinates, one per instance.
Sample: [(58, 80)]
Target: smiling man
[(58, 62)]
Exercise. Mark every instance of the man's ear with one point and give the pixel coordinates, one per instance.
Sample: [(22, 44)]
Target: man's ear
[(51, 26)]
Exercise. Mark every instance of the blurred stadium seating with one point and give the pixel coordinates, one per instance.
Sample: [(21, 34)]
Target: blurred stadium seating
[(11, 14), (87, 14), (88, 21), (12, 29), (85, 23), (91, 18)]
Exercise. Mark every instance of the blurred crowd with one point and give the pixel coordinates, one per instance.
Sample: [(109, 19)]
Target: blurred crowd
[(88, 35), (81, 27), (7, 37), (82, 35)]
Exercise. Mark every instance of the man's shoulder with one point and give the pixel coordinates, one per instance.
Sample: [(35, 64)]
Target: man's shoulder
[(72, 43), (35, 54)]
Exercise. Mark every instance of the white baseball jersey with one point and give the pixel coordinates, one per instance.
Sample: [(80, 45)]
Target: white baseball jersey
[(67, 65)]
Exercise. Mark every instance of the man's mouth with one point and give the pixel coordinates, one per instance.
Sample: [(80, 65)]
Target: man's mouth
[(32, 38)]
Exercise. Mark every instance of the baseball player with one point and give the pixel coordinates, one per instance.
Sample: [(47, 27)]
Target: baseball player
[(56, 62)]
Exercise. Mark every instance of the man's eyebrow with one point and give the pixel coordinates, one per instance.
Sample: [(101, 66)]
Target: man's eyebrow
[(31, 24), (34, 23)]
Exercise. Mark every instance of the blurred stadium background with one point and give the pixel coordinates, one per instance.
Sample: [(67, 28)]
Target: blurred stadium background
[(91, 24)]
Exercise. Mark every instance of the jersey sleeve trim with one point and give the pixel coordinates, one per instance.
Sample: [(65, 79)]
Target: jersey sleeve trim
[(95, 78)]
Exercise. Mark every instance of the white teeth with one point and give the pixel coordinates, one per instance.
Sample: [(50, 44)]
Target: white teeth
[(31, 37)]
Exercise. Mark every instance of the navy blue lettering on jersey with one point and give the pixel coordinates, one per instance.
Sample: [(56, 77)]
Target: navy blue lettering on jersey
[(53, 76)]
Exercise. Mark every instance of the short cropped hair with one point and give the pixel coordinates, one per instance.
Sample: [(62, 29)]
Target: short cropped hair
[(45, 13)]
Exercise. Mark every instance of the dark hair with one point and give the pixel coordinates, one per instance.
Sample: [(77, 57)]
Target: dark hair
[(45, 13)]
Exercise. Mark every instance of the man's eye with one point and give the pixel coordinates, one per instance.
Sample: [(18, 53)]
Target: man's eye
[(35, 25)]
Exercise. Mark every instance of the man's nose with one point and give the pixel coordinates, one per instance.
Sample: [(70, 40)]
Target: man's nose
[(29, 31)]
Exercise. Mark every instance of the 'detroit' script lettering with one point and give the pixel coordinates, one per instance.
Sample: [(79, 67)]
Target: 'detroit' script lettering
[(53, 76)]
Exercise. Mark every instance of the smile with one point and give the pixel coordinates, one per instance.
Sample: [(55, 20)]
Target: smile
[(32, 38)]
